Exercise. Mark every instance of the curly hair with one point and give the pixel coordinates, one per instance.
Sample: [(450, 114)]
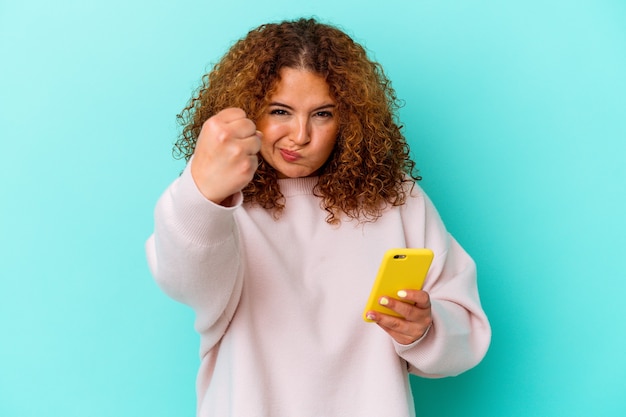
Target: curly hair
[(370, 166)]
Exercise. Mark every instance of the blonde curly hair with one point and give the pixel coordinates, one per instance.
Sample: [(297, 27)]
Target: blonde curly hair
[(370, 166)]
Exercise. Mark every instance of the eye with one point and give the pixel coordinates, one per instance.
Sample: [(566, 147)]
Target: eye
[(279, 112), (324, 114)]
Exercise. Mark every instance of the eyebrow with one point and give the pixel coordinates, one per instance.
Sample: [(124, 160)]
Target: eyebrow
[(322, 107)]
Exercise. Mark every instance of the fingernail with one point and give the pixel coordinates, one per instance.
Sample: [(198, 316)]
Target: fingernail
[(371, 316), (384, 301), (402, 294)]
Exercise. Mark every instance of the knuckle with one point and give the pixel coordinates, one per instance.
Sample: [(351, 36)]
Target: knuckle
[(395, 324), (238, 111), (237, 151), (208, 123), (421, 297), (211, 123)]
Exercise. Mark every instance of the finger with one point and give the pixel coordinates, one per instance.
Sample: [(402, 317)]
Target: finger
[(251, 144), (402, 331), (231, 123), (258, 137), (419, 298), (404, 308), (251, 165), (230, 114), (242, 128), (392, 323)]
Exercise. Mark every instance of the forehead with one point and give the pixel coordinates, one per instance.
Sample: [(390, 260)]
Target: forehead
[(301, 84)]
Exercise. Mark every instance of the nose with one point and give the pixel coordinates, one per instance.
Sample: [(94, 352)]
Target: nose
[(301, 134)]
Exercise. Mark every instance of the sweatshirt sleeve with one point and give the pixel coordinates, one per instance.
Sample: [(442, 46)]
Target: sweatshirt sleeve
[(194, 255), (460, 335)]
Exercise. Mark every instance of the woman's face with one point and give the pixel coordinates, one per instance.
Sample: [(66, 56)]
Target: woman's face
[(299, 125)]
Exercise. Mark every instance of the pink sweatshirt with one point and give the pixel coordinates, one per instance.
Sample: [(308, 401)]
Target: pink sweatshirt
[(278, 303)]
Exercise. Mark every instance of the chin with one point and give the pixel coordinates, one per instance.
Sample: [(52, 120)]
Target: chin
[(293, 174)]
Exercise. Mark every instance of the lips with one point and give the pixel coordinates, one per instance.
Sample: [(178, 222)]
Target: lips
[(289, 156)]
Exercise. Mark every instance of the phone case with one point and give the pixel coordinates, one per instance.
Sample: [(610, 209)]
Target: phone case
[(400, 269)]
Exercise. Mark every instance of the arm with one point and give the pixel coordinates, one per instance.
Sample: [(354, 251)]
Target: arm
[(444, 331), (460, 333), (193, 255)]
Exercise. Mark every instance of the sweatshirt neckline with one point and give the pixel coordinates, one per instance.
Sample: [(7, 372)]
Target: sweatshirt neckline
[(297, 186)]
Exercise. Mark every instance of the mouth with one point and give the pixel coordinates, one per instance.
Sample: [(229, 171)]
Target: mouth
[(289, 156)]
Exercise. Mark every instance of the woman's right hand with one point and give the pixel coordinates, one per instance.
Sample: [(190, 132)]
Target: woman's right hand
[(225, 157)]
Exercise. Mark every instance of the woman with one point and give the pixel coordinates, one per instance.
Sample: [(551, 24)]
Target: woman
[(298, 180)]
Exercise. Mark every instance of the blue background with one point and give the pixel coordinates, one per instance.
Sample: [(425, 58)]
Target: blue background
[(516, 112)]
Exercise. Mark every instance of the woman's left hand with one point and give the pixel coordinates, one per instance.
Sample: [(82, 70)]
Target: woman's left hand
[(414, 306)]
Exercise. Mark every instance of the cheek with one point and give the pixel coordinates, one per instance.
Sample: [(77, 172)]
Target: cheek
[(268, 142), (271, 131), (266, 148), (268, 135), (324, 151), (330, 140)]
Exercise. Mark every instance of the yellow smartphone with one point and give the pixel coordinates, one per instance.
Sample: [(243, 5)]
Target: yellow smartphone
[(400, 269)]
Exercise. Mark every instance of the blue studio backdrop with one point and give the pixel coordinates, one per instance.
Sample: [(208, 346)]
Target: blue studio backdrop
[(516, 115)]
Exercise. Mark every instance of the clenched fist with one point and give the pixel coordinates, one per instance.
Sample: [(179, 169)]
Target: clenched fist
[(225, 157)]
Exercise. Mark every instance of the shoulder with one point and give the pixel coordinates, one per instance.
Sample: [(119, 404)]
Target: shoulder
[(414, 193)]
